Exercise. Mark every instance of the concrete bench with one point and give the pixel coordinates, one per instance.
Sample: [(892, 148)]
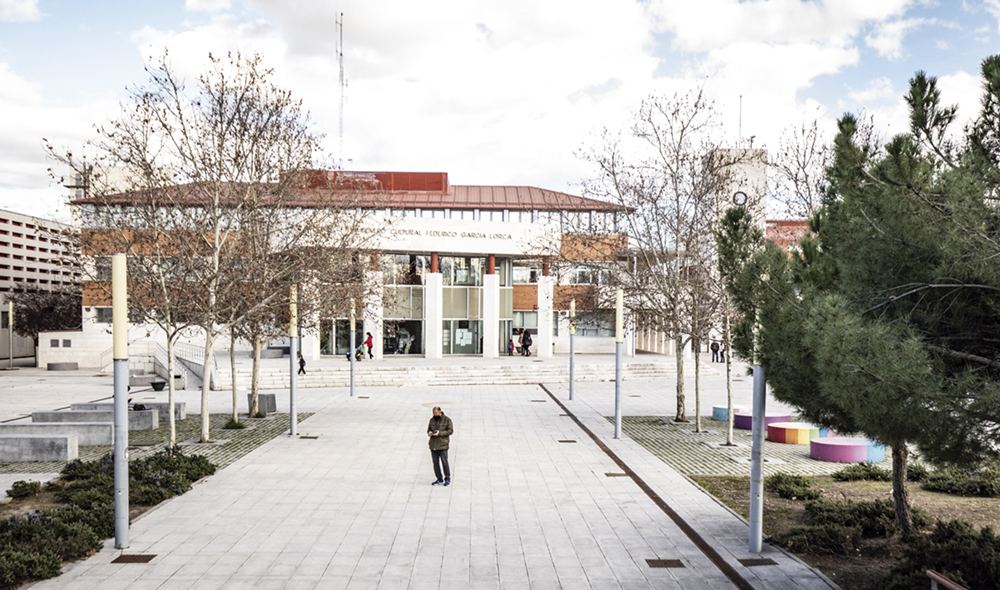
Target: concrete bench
[(64, 366), (180, 408), (721, 413), (744, 421), (266, 402), (842, 449), (38, 447), (137, 420), (794, 433), (89, 434)]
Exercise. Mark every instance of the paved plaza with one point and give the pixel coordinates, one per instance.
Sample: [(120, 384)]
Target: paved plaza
[(535, 501)]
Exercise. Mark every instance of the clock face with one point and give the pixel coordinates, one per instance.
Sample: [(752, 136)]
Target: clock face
[(740, 198)]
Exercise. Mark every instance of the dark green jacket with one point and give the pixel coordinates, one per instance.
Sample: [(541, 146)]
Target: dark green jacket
[(442, 424)]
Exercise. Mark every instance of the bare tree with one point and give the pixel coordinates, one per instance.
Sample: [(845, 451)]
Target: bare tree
[(666, 176), (225, 169)]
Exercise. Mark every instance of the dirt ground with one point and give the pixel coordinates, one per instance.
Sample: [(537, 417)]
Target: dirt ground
[(45, 500), (864, 570)]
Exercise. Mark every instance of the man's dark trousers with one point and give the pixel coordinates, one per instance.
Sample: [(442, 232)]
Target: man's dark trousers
[(440, 459)]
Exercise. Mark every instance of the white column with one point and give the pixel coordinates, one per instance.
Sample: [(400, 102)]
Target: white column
[(491, 316), (433, 312), (544, 340), (372, 318)]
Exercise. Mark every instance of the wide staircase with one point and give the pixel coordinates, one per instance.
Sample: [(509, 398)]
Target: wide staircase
[(375, 374)]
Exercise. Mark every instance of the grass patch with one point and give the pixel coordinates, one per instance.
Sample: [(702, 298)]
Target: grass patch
[(232, 424)]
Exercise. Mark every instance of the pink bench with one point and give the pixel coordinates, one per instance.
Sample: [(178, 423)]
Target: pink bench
[(842, 449)]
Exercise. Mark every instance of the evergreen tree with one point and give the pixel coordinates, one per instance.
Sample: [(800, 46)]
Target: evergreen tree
[(886, 322)]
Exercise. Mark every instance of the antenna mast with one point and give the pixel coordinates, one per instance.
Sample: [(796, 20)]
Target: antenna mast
[(340, 60), (739, 129)]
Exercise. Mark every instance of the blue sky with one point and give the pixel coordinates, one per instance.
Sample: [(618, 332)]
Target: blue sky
[(493, 93)]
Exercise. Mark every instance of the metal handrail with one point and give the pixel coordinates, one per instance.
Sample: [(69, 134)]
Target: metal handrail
[(161, 357), (937, 578)]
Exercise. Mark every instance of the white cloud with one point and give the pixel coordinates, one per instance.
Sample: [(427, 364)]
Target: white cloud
[(993, 7), (19, 10), (207, 5), (887, 38), (942, 45), (876, 91)]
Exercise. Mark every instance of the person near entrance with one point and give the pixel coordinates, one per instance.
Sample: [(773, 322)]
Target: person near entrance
[(526, 343), (302, 365), (510, 347), (439, 429), (715, 352), (369, 342)]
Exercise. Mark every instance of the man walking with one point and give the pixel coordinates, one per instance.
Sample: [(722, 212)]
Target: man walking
[(438, 430)]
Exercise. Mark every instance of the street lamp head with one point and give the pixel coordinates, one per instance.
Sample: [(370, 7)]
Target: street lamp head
[(739, 198)]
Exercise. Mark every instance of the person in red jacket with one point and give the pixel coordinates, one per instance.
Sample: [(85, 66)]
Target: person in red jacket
[(369, 343)]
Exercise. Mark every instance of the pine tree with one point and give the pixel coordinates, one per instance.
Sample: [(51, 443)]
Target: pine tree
[(886, 322)]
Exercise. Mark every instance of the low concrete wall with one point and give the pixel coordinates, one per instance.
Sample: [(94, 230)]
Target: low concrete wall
[(180, 408), (38, 447), (89, 434), (137, 420)]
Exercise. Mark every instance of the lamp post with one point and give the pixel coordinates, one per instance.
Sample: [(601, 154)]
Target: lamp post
[(757, 431), (293, 346), (619, 312), (572, 337), (351, 355), (10, 330), (119, 330)]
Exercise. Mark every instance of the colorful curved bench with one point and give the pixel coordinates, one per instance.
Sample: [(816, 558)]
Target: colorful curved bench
[(721, 413), (794, 433), (843, 449), (744, 421)]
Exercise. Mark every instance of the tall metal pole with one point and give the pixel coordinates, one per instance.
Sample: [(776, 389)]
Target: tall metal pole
[(572, 336), (293, 357), (352, 355), (119, 329), (619, 312), (10, 331), (757, 446)]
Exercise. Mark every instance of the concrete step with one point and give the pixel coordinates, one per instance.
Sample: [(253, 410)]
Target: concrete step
[(137, 419), (38, 447), (89, 434)]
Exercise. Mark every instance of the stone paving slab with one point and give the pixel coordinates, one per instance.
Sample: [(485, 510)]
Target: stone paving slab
[(354, 508)]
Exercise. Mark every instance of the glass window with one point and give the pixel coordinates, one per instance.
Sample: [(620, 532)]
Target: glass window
[(104, 315), (53, 343), (526, 272), (601, 324), (526, 319), (555, 324)]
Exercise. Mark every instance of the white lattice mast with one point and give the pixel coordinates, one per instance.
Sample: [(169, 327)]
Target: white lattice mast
[(340, 60)]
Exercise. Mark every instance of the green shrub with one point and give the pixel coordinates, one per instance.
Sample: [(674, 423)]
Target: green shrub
[(23, 489), (234, 424), (862, 472), (260, 415), (63, 534), (917, 472), (791, 487), (877, 518), (954, 549), (16, 568), (984, 481), (826, 539)]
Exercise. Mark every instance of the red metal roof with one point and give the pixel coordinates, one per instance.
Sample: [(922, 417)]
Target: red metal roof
[(365, 191)]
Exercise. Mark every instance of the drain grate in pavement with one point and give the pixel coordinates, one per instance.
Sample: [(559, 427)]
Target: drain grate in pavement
[(133, 558), (310, 437), (664, 563), (616, 474), (757, 561), (362, 397), (567, 441), (635, 396), (567, 415), (538, 400)]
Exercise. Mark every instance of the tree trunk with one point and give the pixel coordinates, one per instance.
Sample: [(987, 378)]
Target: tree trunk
[(232, 372), (696, 345), (171, 365), (679, 357), (729, 383), (904, 517), (206, 382), (255, 377)]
